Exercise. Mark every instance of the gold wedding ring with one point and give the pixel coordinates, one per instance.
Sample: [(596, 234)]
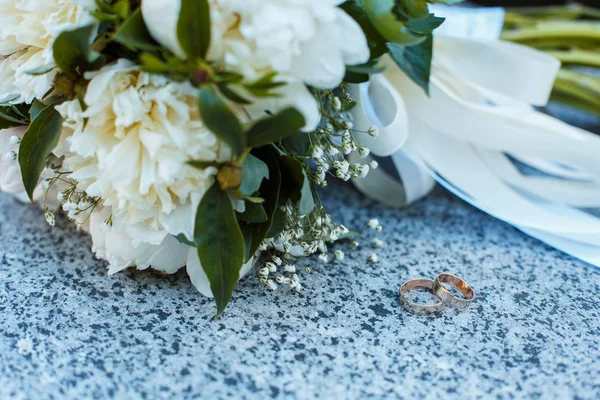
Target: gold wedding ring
[(419, 309), (448, 298)]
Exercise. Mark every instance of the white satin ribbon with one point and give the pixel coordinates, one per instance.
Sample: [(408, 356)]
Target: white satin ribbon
[(477, 121), (381, 109)]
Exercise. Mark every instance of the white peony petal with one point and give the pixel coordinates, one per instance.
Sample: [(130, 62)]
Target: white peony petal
[(121, 252), (352, 40), (294, 95), (198, 276), (161, 18)]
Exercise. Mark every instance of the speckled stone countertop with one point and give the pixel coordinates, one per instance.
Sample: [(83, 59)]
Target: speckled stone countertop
[(68, 331)]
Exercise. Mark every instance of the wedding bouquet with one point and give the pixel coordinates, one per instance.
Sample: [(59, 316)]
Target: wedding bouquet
[(195, 132)]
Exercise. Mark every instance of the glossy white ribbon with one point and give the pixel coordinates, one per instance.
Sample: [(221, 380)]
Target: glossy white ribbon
[(478, 113)]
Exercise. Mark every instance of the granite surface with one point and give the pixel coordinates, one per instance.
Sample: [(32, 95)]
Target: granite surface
[(67, 331)]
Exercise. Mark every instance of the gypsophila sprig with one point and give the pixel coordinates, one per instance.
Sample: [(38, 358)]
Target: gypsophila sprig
[(193, 133)]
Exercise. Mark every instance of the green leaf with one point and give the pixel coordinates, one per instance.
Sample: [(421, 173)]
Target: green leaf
[(72, 50), (37, 143), (376, 41), (36, 108), (298, 144), (193, 27), (254, 172), (203, 164), (229, 77), (221, 120), (387, 24), (415, 61), (122, 8), (254, 214), (361, 73), (297, 184), (134, 35), (254, 234), (103, 6), (181, 238), (410, 9), (278, 224), (44, 69), (232, 95), (153, 64), (13, 115), (425, 25), (266, 131), (220, 244), (255, 200)]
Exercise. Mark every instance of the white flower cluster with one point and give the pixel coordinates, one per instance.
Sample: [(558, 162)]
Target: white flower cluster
[(306, 42), (336, 140), (130, 148), (28, 29), (122, 168)]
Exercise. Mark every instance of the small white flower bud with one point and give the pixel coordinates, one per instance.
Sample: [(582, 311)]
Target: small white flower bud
[(339, 255), (364, 152), (377, 243), (290, 268), (10, 156), (50, 218), (337, 104), (317, 152), (264, 271), (373, 164), (323, 257), (271, 285), (364, 171), (372, 258), (373, 224), (272, 267)]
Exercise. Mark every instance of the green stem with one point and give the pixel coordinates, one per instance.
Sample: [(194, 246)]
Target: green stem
[(555, 30), (577, 56), (571, 11), (566, 98), (581, 87)]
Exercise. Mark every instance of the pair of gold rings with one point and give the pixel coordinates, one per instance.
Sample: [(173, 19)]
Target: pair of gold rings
[(437, 288)]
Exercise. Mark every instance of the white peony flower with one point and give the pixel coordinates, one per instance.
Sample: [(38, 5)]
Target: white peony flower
[(131, 145), (115, 246), (198, 276), (311, 41), (28, 29), (306, 42)]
